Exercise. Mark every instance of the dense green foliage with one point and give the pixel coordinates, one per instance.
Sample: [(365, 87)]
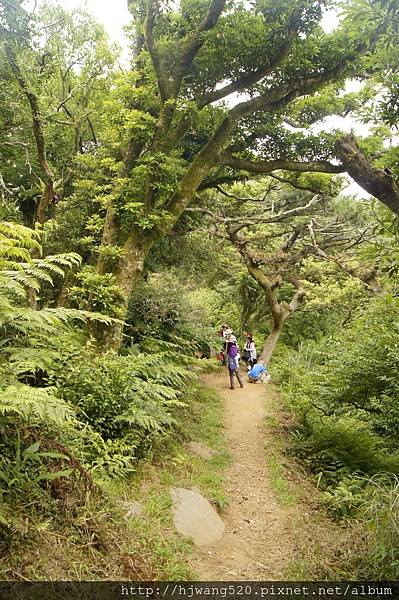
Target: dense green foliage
[(343, 390), (67, 414)]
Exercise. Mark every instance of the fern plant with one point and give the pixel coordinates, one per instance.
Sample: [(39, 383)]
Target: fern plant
[(107, 410), (32, 341), (117, 393)]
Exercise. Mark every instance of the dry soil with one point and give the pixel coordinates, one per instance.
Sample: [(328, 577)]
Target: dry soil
[(259, 539)]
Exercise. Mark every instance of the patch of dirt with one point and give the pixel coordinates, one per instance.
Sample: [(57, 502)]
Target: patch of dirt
[(259, 539)]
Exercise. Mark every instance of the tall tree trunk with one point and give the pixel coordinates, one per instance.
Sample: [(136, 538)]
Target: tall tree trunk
[(38, 132), (280, 316), (271, 341), (109, 238), (138, 244), (127, 274)]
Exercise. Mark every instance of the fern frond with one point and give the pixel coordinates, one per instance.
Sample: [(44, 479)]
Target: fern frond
[(11, 286), (21, 235), (39, 274), (23, 360), (150, 419), (23, 278), (66, 260), (39, 404), (9, 250)]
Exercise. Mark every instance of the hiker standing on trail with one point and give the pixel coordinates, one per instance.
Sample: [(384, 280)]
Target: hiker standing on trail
[(233, 356), (222, 332), (249, 351)]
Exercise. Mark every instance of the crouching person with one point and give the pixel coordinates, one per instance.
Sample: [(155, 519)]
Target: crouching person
[(259, 373)]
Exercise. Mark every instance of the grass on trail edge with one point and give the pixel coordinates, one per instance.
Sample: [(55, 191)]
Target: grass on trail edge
[(325, 550), (169, 552), (277, 467), (89, 538)]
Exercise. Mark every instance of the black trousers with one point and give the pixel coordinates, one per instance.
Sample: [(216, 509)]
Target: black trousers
[(250, 361)]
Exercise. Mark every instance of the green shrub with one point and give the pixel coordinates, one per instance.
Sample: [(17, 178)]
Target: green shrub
[(380, 516), (344, 393), (163, 308), (135, 395)]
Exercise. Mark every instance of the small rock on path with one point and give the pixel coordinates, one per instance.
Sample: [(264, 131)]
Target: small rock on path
[(201, 450)]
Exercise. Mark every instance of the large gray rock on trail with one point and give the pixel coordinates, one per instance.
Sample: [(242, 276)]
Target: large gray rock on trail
[(195, 517), (201, 450)]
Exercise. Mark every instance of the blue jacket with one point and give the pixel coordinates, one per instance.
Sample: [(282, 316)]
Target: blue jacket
[(256, 371)]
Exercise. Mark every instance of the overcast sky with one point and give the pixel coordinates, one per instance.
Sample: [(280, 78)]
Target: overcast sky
[(113, 14)]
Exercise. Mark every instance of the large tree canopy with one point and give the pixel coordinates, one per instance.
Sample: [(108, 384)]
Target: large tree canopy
[(217, 91)]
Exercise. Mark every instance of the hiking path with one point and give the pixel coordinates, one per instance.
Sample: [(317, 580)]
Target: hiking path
[(259, 538)]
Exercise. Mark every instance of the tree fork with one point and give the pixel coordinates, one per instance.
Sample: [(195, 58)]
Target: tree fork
[(280, 311)]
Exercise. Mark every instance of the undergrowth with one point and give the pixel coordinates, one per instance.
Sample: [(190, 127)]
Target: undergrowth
[(75, 529), (342, 392)]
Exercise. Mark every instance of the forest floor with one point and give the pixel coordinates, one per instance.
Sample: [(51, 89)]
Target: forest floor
[(270, 533), (275, 525)]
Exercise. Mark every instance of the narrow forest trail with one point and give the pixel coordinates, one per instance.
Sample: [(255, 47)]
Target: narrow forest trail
[(259, 539)]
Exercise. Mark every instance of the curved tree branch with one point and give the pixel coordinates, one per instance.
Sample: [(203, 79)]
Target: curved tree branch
[(253, 166), (197, 39), (149, 24), (377, 182), (248, 80)]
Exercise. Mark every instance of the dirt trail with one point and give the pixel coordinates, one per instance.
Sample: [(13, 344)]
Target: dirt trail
[(258, 542)]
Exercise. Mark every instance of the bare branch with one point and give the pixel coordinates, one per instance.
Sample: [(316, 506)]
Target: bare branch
[(368, 277), (276, 99), (13, 143), (50, 25), (295, 184), (234, 197), (149, 24), (70, 95), (292, 123)]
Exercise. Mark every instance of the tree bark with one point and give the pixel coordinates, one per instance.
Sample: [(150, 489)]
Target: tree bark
[(271, 341), (279, 318), (37, 126), (109, 238), (128, 274), (377, 182), (131, 264)]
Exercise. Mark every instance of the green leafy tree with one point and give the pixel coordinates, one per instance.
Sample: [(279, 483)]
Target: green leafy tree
[(57, 66), (178, 128), (277, 229)]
